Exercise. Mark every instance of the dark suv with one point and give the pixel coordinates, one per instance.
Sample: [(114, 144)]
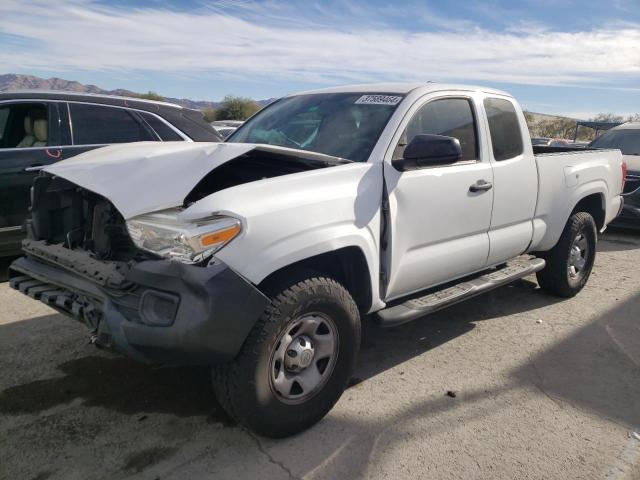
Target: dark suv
[(626, 137), (39, 128)]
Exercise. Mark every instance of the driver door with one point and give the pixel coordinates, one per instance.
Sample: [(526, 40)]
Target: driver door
[(438, 227)]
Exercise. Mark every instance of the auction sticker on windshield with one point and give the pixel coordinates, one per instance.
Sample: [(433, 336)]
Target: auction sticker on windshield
[(378, 100)]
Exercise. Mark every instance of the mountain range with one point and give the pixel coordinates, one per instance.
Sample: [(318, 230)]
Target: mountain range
[(15, 81)]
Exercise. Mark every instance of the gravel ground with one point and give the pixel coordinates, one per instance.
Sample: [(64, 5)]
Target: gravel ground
[(543, 389)]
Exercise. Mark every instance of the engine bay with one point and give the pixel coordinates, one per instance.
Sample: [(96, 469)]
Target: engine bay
[(74, 218)]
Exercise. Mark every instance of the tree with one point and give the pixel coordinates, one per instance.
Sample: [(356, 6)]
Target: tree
[(149, 96), (633, 118), (607, 117), (531, 120), (236, 108), (559, 127), (209, 114)]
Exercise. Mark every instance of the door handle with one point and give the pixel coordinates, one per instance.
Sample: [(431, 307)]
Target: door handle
[(481, 186)]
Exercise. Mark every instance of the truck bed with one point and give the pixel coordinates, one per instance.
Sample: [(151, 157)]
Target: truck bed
[(541, 149), (569, 175)]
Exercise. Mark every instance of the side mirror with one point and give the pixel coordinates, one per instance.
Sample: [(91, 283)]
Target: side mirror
[(429, 151)]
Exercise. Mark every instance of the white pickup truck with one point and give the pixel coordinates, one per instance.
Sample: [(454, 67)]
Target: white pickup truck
[(260, 256)]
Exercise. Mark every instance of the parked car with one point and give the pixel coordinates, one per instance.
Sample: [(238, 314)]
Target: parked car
[(579, 143), (261, 255), (560, 142), (38, 128), (226, 127), (626, 137)]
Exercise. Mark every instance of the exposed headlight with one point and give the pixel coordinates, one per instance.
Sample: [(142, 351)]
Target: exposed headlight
[(163, 234)]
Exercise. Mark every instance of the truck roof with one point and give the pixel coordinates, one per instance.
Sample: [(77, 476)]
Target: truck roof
[(402, 88)]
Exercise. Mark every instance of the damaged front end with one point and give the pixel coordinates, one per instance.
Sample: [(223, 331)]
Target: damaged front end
[(147, 287)]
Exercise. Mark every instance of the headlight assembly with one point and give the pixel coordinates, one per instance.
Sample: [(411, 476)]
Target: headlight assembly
[(163, 234)]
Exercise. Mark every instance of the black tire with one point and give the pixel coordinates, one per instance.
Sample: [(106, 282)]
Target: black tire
[(245, 388), (555, 277)]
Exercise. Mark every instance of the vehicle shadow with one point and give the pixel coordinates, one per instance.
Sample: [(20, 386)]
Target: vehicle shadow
[(384, 348), (97, 378), (597, 368), (618, 240), (128, 387), (121, 385)]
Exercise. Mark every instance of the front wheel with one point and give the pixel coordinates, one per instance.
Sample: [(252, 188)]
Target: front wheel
[(570, 261), (296, 361)]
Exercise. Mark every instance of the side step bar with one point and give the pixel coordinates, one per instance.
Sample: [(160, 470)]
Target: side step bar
[(420, 306)]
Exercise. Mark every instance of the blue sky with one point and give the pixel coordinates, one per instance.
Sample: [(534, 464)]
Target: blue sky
[(573, 57)]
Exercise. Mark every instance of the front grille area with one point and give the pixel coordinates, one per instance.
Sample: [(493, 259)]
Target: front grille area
[(73, 218), (78, 253), (106, 274)]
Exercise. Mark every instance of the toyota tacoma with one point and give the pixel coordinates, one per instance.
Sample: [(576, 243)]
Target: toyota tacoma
[(261, 256)]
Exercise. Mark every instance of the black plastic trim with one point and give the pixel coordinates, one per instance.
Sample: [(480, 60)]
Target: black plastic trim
[(216, 310)]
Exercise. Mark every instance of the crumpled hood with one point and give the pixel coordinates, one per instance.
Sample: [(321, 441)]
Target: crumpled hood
[(149, 176)]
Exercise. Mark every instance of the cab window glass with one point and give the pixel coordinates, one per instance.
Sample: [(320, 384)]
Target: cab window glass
[(504, 127), (451, 117), (24, 125), (345, 125), (96, 125)]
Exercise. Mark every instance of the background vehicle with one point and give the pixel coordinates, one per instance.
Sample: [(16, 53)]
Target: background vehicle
[(260, 255), (38, 128), (597, 128), (556, 142), (626, 137), (226, 127), (560, 142)]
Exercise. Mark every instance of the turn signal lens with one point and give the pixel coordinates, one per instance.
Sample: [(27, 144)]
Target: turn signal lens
[(222, 236)]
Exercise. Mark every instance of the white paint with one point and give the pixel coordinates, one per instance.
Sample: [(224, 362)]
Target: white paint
[(438, 230)]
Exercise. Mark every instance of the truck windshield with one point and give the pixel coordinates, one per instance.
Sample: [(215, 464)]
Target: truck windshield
[(627, 140), (345, 125)]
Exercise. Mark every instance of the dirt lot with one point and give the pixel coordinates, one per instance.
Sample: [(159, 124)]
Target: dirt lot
[(544, 389)]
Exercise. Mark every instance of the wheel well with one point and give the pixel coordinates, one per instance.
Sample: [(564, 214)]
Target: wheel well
[(593, 205), (347, 266)]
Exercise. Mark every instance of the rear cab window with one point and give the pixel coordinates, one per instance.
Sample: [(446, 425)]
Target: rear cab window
[(504, 128)]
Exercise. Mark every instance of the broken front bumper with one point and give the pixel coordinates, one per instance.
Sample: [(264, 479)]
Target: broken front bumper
[(156, 311)]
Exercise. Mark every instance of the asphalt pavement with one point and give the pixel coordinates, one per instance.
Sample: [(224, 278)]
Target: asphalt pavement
[(512, 384)]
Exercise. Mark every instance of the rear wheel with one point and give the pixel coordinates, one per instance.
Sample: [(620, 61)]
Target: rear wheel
[(569, 263), (296, 361)]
